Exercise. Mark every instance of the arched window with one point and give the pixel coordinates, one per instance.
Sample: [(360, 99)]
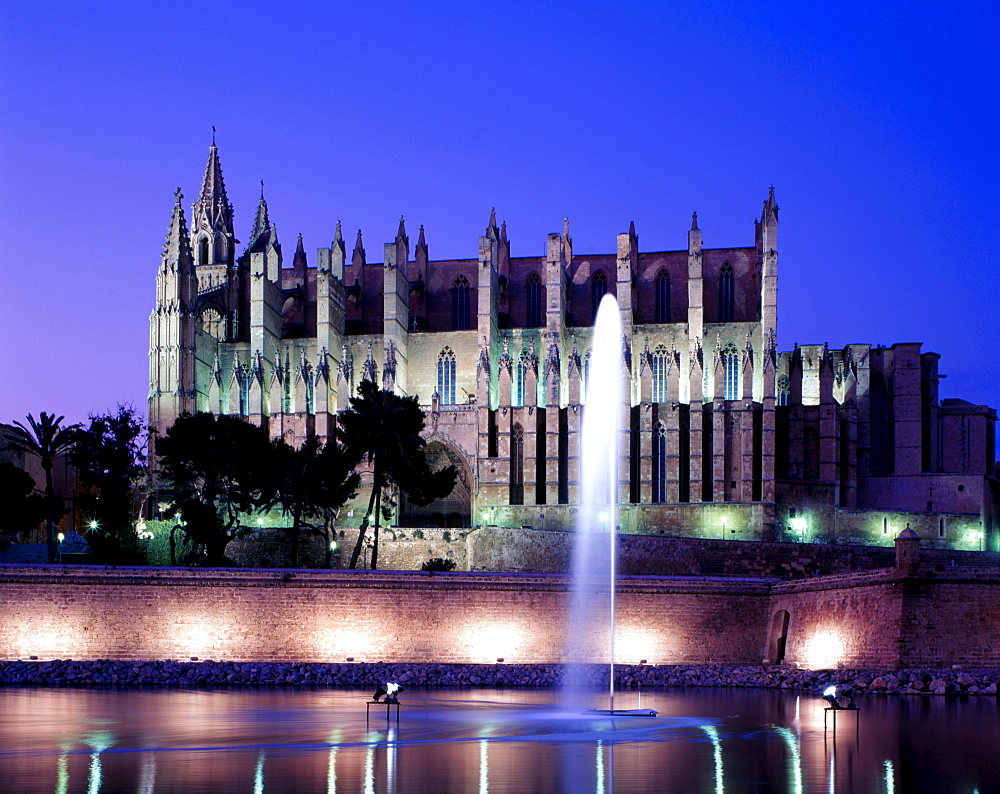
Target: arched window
[(446, 377), (784, 390), (203, 251), (533, 318), (726, 312), (662, 296), (659, 361), (731, 366), (460, 294), (517, 465), (212, 323), (598, 289), (660, 463)]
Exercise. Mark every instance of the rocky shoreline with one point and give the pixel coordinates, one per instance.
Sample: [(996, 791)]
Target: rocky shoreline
[(207, 673)]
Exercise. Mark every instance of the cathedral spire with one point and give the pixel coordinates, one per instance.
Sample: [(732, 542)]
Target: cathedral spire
[(359, 246), (338, 237), (261, 224), (401, 232), (421, 242), (177, 248), (769, 217), (212, 211), (694, 222), (299, 260)]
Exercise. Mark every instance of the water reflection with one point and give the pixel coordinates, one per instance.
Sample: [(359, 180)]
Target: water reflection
[(486, 741)]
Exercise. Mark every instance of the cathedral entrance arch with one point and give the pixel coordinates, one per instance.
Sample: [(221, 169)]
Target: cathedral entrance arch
[(454, 510)]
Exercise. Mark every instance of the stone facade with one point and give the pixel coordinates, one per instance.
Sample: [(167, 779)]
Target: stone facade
[(718, 426)]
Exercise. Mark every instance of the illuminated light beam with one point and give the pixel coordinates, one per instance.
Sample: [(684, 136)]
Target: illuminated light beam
[(484, 767), (713, 734), (795, 757), (890, 777)]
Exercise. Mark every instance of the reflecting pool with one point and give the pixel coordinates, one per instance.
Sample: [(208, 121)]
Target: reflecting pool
[(485, 740)]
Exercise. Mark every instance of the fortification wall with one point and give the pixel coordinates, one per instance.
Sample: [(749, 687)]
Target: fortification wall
[(328, 616), (539, 551)]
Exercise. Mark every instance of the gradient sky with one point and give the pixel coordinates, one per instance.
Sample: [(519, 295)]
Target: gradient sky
[(876, 122)]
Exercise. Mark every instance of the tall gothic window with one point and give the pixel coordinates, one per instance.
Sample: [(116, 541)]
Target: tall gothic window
[(598, 289), (660, 463), (517, 465), (784, 390), (533, 318), (522, 374), (726, 302), (731, 366), (203, 251), (460, 296), (446, 377), (662, 296), (659, 361)]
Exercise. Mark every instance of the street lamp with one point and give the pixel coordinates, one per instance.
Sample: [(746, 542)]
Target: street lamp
[(61, 538)]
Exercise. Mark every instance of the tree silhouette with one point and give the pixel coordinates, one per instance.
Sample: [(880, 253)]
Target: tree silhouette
[(313, 480), (109, 455), (217, 468), (23, 509), (47, 439), (384, 428)]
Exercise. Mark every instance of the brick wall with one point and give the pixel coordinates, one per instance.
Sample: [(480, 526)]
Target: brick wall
[(229, 614), (876, 619)]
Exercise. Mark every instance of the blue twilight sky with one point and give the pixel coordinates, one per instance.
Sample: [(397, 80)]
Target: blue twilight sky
[(876, 122)]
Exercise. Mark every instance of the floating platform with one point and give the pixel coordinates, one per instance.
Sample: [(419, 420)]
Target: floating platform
[(623, 712)]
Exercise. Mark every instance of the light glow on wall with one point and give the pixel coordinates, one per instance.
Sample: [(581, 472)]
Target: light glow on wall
[(487, 643), (823, 650), (634, 644), (338, 643), (204, 636), (47, 637)]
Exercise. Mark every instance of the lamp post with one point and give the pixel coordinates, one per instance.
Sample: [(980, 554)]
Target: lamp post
[(61, 538)]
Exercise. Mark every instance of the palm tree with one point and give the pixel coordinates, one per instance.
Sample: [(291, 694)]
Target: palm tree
[(47, 439), (384, 428)]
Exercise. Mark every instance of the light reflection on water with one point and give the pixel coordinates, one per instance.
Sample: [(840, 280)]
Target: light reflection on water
[(490, 741)]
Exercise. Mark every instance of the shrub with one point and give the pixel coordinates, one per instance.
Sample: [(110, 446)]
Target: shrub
[(438, 564)]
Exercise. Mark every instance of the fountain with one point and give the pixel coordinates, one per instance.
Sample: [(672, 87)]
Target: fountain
[(594, 553)]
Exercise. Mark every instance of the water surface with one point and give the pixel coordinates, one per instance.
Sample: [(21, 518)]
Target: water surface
[(485, 740)]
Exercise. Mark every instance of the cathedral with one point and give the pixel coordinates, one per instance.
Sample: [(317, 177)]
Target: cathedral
[(722, 434)]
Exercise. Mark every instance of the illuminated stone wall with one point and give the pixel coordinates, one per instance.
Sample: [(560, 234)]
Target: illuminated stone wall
[(228, 614), (877, 620)]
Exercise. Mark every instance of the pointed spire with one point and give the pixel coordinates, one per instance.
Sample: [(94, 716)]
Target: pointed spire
[(694, 222), (178, 243), (401, 233), (503, 231), (338, 236), (359, 247), (261, 224), (299, 260), (421, 242), (770, 214), (565, 232), (493, 219), (631, 228), (212, 211)]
